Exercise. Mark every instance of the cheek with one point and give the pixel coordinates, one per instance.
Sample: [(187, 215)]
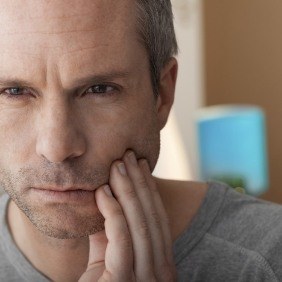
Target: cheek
[(14, 137), (109, 132), (136, 130)]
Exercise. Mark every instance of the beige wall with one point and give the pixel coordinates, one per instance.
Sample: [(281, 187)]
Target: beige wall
[(243, 51), (178, 158)]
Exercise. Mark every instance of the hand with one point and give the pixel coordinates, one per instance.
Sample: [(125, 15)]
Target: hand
[(138, 242)]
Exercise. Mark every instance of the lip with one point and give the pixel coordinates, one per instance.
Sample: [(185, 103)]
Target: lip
[(64, 189), (71, 194)]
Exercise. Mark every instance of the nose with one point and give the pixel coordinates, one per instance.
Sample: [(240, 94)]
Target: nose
[(59, 135)]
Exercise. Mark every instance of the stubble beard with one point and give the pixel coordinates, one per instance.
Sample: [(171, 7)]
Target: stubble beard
[(63, 221), (58, 220)]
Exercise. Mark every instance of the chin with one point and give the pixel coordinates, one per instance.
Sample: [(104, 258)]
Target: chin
[(64, 228), (64, 221), (72, 231)]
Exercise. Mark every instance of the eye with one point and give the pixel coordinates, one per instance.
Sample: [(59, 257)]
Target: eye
[(14, 92), (103, 89)]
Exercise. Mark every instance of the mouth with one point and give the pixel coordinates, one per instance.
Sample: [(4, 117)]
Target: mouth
[(65, 188), (63, 194)]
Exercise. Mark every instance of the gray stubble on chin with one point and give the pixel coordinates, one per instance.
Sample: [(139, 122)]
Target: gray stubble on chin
[(88, 227), (55, 224)]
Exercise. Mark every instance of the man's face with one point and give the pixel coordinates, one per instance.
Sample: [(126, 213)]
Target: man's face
[(75, 94)]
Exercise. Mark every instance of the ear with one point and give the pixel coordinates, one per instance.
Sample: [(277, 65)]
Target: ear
[(166, 91)]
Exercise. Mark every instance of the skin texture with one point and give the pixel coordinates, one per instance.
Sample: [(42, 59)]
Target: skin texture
[(56, 134), (139, 246), (60, 132)]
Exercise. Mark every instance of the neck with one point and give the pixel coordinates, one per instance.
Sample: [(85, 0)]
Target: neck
[(58, 259)]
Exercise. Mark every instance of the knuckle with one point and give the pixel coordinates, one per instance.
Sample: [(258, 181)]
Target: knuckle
[(166, 220), (118, 213), (122, 235), (130, 193), (143, 230), (141, 181), (115, 211), (156, 220), (124, 240)]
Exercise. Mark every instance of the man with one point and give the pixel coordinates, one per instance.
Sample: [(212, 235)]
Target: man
[(86, 87)]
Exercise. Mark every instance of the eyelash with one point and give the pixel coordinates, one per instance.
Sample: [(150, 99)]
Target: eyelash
[(9, 96), (23, 89), (114, 89)]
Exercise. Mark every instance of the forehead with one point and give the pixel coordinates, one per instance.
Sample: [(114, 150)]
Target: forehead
[(57, 21), (66, 32)]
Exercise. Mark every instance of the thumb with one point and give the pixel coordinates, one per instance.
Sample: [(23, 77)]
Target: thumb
[(97, 247), (94, 273), (96, 262)]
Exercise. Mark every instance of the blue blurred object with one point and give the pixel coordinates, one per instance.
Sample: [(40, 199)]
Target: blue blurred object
[(232, 146)]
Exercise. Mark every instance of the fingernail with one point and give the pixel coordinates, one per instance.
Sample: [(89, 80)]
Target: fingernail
[(108, 191), (132, 158), (122, 169)]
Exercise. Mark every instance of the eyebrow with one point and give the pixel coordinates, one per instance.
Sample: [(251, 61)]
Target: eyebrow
[(80, 82), (14, 82), (99, 78)]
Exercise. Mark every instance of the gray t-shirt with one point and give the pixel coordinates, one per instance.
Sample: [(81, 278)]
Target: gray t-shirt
[(233, 237)]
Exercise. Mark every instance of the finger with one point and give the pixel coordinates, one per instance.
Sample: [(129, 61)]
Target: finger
[(97, 243), (150, 210), (165, 225), (138, 228), (119, 254)]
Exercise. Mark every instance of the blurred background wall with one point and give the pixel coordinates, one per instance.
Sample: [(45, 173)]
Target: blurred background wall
[(230, 52), (178, 158), (243, 64)]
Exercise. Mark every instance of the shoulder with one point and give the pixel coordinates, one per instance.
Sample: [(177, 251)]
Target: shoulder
[(217, 259), (247, 219), (247, 234), (242, 239)]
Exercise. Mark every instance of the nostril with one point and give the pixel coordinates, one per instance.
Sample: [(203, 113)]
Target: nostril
[(58, 148)]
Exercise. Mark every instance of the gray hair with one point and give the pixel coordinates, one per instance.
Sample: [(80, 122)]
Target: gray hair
[(155, 24)]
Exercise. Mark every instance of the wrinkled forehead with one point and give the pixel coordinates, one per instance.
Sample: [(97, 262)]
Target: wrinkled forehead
[(58, 21), (64, 33)]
